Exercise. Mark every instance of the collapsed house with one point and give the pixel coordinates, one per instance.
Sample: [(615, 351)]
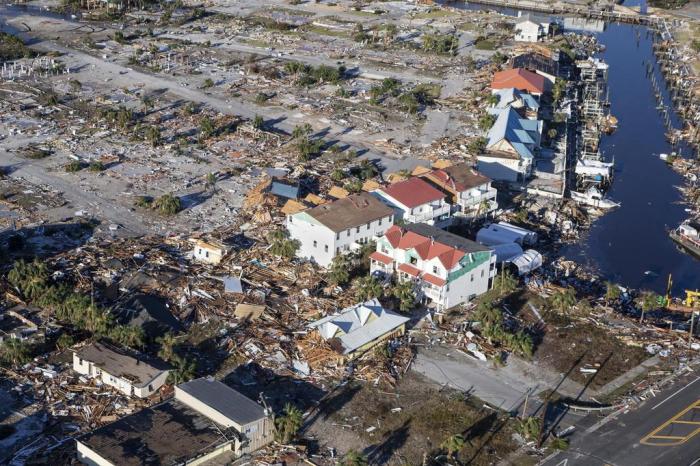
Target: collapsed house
[(360, 327), (206, 420), (209, 252), (339, 227), (446, 269), (130, 373)]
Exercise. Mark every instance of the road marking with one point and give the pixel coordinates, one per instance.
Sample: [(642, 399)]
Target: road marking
[(654, 438), (676, 393)]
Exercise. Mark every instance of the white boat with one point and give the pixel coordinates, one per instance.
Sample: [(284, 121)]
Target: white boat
[(594, 198)]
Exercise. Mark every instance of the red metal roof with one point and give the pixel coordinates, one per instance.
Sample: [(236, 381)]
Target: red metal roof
[(413, 192), (379, 257), (426, 248), (520, 79), (437, 281), (409, 269)]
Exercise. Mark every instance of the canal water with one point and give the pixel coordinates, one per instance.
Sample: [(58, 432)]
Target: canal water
[(630, 245)]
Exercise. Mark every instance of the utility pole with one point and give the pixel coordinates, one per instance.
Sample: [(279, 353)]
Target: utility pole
[(690, 333)]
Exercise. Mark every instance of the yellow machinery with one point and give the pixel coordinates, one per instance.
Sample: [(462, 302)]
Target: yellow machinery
[(691, 303)]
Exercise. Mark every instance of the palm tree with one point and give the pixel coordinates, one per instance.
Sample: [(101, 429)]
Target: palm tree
[(210, 182), (153, 135), (167, 346), (403, 291), (258, 122), (339, 272), (648, 302), (282, 246), (612, 292), (353, 458), (563, 300), (167, 204), (521, 343), (15, 351), (529, 427), (300, 131), (367, 288), (184, 370), (287, 426), (453, 444), (206, 127)]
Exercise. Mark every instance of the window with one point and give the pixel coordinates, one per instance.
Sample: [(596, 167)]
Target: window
[(207, 254), (435, 269), (357, 230), (337, 250), (290, 219), (472, 278), (315, 243), (380, 221), (348, 232), (325, 248), (337, 235), (346, 247), (413, 260), (368, 226), (482, 273), (200, 251), (150, 387)]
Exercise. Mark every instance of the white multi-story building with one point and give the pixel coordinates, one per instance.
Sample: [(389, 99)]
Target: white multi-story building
[(447, 270), (338, 227), (131, 375), (416, 201), (528, 30), (470, 192)]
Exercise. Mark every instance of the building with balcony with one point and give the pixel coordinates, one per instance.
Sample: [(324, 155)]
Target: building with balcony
[(339, 227), (527, 105), (469, 192), (447, 270), (416, 201)]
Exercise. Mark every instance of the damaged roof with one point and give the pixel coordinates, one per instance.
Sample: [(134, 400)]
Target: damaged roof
[(138, 370), (460, 177), (224, 399)]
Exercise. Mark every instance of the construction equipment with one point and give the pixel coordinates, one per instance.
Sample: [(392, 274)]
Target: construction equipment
[(691, 303)]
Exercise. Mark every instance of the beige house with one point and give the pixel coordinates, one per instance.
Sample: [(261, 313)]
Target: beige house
[(209, 252), (130, 373)]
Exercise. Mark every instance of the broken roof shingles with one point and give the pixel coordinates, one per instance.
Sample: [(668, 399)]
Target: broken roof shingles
[(519, 78), (458, 178), (140, 372), (224, 399), (349, 212), (167, 434)]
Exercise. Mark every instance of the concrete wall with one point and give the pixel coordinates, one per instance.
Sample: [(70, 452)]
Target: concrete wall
[(90, 457), (501, 168), (156, 384)]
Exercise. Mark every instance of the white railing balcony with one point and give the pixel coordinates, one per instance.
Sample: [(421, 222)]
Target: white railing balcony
[(429, 215)]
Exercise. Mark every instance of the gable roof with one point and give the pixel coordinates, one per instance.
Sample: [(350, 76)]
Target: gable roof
[(223, 399), (509, 96), (519, 132), (413, 192), (349, 212), (457, 178), (137, 369), (431, 242), (356, 325), (519, 78)]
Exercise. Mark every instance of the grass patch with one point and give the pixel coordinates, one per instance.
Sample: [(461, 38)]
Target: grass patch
[(324, 31), (434, 14)]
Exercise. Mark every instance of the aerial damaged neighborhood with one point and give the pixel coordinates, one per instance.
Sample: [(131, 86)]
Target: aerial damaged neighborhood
[(350, 233)]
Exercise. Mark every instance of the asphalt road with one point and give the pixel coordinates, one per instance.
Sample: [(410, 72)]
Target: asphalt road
[(663, 431)]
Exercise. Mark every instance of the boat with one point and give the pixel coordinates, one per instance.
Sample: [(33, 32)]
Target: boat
[(687, 235), (610, 124), (594, 198)]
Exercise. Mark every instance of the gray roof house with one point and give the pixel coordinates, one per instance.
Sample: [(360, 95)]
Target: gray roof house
[(207, 422), (360, 327)]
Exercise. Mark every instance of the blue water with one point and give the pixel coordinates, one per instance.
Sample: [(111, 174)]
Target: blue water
[(632, 240)]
